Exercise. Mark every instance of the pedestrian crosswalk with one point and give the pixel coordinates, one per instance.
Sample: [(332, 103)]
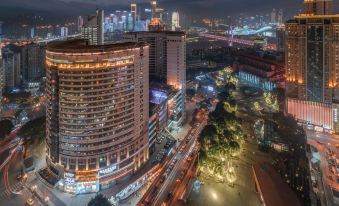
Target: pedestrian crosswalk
[(5, 194)]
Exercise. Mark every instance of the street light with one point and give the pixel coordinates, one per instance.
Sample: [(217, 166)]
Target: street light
[(34, 187)]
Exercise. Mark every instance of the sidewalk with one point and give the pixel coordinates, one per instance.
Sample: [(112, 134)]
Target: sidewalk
[(182, 132)]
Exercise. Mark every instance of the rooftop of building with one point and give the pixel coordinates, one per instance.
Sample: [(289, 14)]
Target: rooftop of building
[(317, 16), (12, 47), (82, 45), (274, 191), (334, 17), (261, 59), (159, 32), (161, 86)]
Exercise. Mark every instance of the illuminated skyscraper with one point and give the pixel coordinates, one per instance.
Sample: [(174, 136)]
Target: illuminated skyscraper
[(280, 17), (312, 53), (80, 23), (156, 23), (154, 8), (274, 16), (32, 35), (64, 31), (97, 112), (318, 7), (93, 30), (134, 13), (175, 21), (167, 61)]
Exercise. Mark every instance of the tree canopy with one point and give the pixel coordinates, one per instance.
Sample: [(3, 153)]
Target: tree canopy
[(34, 130), (223, 136), (99, 200)]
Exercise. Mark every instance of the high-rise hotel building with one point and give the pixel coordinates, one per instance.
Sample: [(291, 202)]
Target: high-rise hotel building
[(97, 112), (312, 66)]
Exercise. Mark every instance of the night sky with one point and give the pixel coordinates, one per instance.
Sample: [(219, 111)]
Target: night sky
[(193, 7)]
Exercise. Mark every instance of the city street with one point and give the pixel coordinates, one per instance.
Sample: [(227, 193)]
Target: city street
[(167, 188), (163, 188), (326, 180)]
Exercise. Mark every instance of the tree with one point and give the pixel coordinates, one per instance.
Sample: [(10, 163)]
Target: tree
[(234, 145), (6, 127), (209, 133), (190, 92), (99, 200), (34, 130)]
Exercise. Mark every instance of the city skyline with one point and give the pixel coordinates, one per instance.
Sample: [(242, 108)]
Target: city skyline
[(169, 102), (192, 7)]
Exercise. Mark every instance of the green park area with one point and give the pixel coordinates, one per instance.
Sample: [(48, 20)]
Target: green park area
[(223, 137)]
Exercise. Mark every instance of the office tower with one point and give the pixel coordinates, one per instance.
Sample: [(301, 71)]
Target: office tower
[(312, 53), (280, 17), (156, 23), (274, 16), (32, 63), (11, 67), (80, 23), (167, 62), (154, 8), (93, 29), (64, 31), (318, 7), (134, 13), (97, 112), (175, 21)]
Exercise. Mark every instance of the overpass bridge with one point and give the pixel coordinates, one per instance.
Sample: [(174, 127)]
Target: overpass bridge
[(244, 42)]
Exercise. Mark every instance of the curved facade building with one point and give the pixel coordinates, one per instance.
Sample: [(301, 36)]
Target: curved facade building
[(97, 112)]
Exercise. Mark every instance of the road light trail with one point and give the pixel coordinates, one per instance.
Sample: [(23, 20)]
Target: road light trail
[(6, 166), (170, 182)]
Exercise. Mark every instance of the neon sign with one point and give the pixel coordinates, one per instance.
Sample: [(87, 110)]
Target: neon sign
[(108, 170)]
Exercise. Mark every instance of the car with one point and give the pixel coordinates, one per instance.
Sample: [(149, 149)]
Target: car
[(29, 202), (154, 161), (163, 178), (19, 177), (169, 196)]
